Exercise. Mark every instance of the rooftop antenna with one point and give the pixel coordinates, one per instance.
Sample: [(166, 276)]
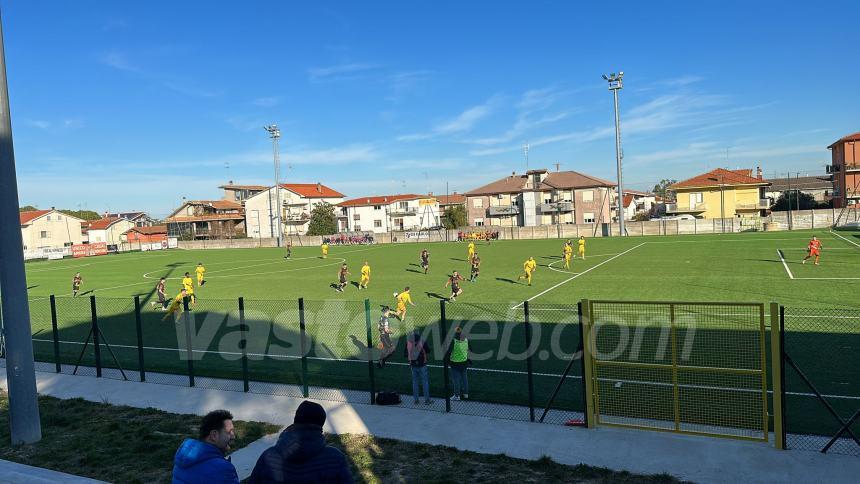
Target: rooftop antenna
[(558, 166), (526, 154), (227, 168)]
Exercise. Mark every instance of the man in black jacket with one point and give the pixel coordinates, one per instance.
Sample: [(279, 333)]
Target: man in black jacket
[(301, 454)]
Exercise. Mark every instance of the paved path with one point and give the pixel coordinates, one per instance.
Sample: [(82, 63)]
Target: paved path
[(13, 472), (699, 459)]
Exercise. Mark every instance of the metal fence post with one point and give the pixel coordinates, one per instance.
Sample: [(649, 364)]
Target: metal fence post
[(95, 331), (139, 328), (56, 333), (302, 336), (528, 334), (370, 352), (243, 343), (583, 380), (588, 376), (189, 353), (445, 369), (777, 318)]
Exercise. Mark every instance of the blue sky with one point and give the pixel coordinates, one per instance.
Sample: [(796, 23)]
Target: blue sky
[(133, 105)]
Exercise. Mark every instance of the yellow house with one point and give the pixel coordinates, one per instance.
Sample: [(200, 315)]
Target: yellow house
[(721, 193)]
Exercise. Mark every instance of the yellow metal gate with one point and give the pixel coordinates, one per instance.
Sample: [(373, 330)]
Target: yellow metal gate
[(696, 368)]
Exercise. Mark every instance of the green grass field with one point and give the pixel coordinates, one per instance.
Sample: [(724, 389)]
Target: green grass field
[(748, 267)]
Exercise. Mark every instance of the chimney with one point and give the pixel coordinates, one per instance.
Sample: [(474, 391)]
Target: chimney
[(52, 208), (319, 187), (230, 182), (105, 215), (758, 173)]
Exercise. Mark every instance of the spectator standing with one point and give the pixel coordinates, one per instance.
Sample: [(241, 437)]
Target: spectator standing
[(416, 352), (203, 460), (459, 359)]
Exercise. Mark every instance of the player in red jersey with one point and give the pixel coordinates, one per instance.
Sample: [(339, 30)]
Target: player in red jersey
[(813, 250)]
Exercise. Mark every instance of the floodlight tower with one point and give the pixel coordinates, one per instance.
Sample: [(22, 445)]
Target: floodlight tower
[(275, 134), (615, 85)]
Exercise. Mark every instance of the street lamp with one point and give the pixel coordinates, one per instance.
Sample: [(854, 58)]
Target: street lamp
[(722, 204), (275, 134), (615, 84)]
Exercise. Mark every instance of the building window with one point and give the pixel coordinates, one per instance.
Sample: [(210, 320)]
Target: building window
[(343, 211), (477, 203), (588, 217), (49, 218), (356, 216), (377, 223), (377, 207), (404, 205), (695, 199), (588, 196), (59, 217), (357, 228), (479, 222), (43, 234)]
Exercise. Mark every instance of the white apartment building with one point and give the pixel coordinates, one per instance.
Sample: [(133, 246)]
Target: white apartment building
[(49, 229), (386, 213), (109, 230), (297, 202)]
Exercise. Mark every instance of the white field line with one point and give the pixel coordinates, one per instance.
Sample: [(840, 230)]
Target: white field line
[(846, 240), (716, 240), (580, 274), (481, 370), (550, 265), (827, 278), (790, 275)]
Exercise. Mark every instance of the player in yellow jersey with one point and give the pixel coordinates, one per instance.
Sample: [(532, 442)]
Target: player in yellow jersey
[(402, 299), (568, 254), (471, 251), (324, 248), (200, 272), (581, 243), (175, 305), (529, 267), (365, 276), (188, 286)]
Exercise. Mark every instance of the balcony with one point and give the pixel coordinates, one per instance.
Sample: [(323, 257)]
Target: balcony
[(403, 212), (503, 210), (556, 207), (763, 204), (832, 169), (297, 218), (674, 208)]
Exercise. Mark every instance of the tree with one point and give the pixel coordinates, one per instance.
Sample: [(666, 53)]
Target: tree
[(27, 208), (795, 198), (454, 217), (661, 188), (323, 220), (82, 214)]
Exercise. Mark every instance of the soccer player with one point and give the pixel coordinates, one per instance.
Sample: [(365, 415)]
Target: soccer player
[(402, 299), (341, 277), (813, 250), (581, 243), (454, 282), (289, 249), (176, 305), (425, 260), (386, 347), (471, 250), (568, 254), (365, 276), (188, 285), (77, 280), (200, 272), (162, 295), (529, 267), (324, 248), (476, 268)]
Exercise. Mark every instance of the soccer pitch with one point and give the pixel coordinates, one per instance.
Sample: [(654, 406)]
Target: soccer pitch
[(745, 267)]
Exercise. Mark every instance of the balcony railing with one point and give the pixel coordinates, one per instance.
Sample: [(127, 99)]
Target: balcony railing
[(297, 218), (555, 207), (762, 204), (675, 208), (502, 210), (852, 167), (403, 212)]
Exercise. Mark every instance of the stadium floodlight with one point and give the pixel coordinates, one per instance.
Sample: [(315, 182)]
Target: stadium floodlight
[(615, 85), (275, 134)]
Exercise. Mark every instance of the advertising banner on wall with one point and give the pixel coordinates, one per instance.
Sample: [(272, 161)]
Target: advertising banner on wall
[(89, 250)]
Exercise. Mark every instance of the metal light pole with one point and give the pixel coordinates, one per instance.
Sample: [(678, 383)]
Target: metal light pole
[(722, 204), (526, 154), (24, 422), (275, 134), (614, 85)]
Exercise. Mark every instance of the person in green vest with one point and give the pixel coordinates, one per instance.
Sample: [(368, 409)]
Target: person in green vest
[(459, 359)]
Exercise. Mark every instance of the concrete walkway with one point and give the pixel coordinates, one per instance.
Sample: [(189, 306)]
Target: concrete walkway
[(22, 474), (699, 459)]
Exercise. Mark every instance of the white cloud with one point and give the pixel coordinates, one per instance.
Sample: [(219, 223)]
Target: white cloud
[(266, 102), (37, 123), (463, 122), (338, 71)]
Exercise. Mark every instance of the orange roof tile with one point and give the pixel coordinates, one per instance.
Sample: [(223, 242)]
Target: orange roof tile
[(380, 200), (846, 138), (103, 223), (245, 187), (452, 199), (202, 218), (627, 200), (27, 217), (312, 190), (155, 229), (720, 176)]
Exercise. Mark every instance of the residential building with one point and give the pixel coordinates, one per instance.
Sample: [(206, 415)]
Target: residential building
[(139, 219), (819, 187), (297, 202), (240, 193), (541, 197), (145, 235), (636, 203), (207, 219), (49, 229), (108, 230), (721, 193), (450, 200), (845, 167), (385, 213)]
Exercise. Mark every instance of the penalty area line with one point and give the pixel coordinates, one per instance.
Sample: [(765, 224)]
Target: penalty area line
[(782, 259), (577, 275)]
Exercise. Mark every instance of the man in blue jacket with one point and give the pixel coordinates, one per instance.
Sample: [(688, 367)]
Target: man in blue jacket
[(203, 460), (301, 454)]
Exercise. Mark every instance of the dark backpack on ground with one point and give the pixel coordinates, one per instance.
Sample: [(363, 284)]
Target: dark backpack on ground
[(387, 398)]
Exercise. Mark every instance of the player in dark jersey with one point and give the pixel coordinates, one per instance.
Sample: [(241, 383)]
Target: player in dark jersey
[(386, 346), (341, 277), (454, 282), (476, 268), (425, 260), (77, 280)]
